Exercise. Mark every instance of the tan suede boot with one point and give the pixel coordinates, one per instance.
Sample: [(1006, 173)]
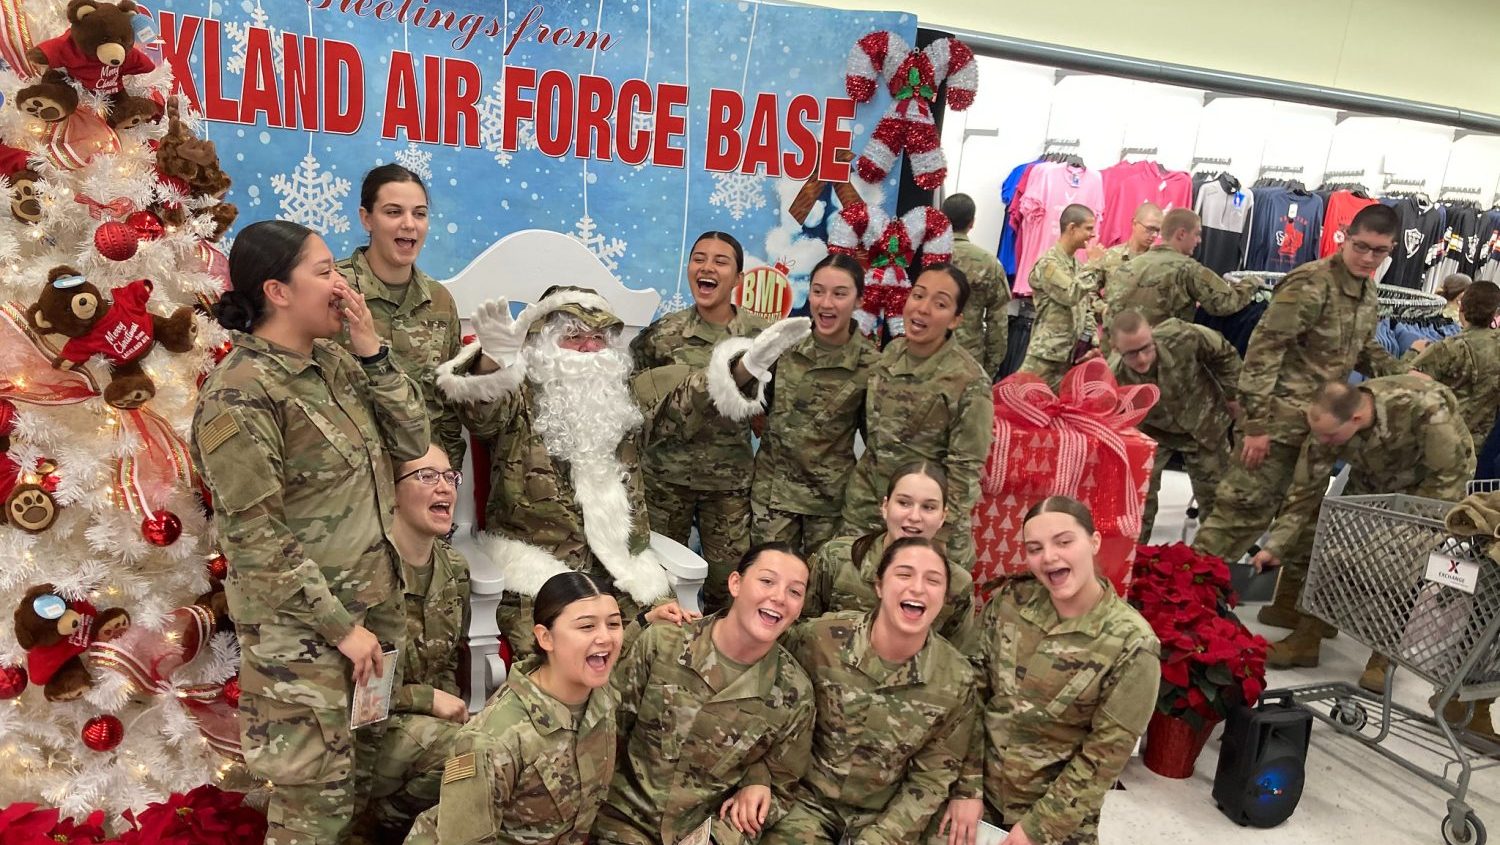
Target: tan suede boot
[(1300, 648), (1373, 678), (1282, 611)]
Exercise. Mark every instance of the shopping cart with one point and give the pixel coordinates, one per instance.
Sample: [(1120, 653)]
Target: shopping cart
[(1369, 576)]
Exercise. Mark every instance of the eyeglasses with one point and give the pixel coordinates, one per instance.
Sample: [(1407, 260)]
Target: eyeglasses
[(430, 476), (1155, 230), (1362, 248), (1136, 353)]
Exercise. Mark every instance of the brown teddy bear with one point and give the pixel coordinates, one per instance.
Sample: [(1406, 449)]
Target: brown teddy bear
[(15, 167), (98, 51), (190, 165), (122, 330), (29, 504), (55, 632)]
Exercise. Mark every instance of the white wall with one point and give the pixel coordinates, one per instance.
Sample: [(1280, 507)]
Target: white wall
[(1020, 106)]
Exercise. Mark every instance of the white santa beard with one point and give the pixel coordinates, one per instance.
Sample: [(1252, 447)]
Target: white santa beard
[(584, 406)]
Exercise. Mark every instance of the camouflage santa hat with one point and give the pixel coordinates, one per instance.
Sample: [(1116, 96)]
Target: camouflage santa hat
[(581, 303)]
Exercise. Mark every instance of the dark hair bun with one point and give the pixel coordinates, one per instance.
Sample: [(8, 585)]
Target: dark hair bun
[(233, 312)]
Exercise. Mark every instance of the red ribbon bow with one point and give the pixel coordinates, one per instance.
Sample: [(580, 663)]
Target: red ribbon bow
[(148, 659), (1091, 411), (116, 208)]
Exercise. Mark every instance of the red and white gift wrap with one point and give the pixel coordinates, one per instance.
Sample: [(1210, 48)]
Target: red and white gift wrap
[(1081, 443)]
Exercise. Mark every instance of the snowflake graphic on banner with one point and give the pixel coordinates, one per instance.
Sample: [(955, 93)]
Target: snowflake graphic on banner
[(313, 198), (673, 304), (417, 160), (492, 123), (609, 251), (738, 192), (238, 34)]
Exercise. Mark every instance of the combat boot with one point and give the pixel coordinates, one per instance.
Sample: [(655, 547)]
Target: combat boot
[(1300, 648), (1481, 723), (1373, 679), (1282, 611)]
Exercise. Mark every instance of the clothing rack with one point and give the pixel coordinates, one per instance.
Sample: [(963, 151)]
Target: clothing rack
[(1405, 304), (1201, 161), (1276, 168), (1143, 151), (1330, 175), (1449, 189), (1397, 181), (1061, 143)]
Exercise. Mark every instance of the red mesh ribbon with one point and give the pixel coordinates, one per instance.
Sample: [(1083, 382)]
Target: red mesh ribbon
[(72, 143), (26, 371), (1090, 414), (146, 477), (148, 659), (15, 38)]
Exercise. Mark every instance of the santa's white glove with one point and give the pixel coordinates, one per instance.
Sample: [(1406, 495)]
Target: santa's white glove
[(769, 344), (500, 335)]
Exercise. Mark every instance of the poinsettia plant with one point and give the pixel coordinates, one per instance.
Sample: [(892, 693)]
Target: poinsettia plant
[(1209, 660), (205, 816)]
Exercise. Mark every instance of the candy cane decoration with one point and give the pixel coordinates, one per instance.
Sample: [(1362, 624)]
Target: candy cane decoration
[(913, 77), (890, 247)]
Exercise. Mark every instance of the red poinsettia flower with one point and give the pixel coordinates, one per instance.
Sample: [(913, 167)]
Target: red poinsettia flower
[(205, 816), (1175, 672), (27, 824), (90, 830)]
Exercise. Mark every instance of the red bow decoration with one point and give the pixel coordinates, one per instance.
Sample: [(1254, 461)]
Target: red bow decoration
[(1090, 412), (148, 658), (116, 208), (145, 477)]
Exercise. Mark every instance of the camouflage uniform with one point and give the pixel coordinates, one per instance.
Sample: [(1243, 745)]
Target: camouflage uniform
[(1164, 283), (419, 321), (937, 408), (1061, 295), (707, 478), (1319, 327), (296, 451), (840, 583), (1469, 363), (1419, 445), (983, 330), (526, 770), (696, 730), (1097, 273), (889, 740), (416, 741), (1063, 702), (816, 404), (1198, 372)]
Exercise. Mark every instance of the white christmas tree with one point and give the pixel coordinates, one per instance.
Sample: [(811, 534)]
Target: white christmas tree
[(130, 530)]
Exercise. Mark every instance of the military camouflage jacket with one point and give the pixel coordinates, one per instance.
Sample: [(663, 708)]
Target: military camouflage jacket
[(692, 739), (719, 458), (937, 408), (420, 324), (1469, 363), (1061, 295), (296, 451), (1062, 704), (1198, 372), (1163, 283), (1418, 445), (1320, 326), (817, 400), (525, 771), (839, 583), (435, 615), (985, 324), (887, 740)]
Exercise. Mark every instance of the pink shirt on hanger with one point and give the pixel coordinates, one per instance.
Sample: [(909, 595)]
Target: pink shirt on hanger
[(1049, 189), (1130, 183)]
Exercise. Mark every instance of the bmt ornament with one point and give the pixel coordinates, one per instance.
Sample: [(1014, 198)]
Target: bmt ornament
[(162, 528), (103, 733)]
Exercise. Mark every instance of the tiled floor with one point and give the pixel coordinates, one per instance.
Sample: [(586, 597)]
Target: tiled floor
[(1353, 795)]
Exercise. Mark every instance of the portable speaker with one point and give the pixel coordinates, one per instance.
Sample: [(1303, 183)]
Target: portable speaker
[(1262, 762)]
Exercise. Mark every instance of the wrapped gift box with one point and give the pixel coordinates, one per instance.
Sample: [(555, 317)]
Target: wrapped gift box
[(1082, 443)]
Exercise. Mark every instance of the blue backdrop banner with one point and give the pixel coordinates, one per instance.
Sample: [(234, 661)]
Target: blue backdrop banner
[(630, 124)]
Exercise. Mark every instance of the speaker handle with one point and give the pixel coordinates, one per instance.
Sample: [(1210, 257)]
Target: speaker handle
[(1276, 696)]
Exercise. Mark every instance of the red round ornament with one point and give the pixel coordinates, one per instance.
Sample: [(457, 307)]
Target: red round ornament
[(103, 733), (232, 691), (147, 226), (12, 682), (218, 566), (116, 241), (163, 529)]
